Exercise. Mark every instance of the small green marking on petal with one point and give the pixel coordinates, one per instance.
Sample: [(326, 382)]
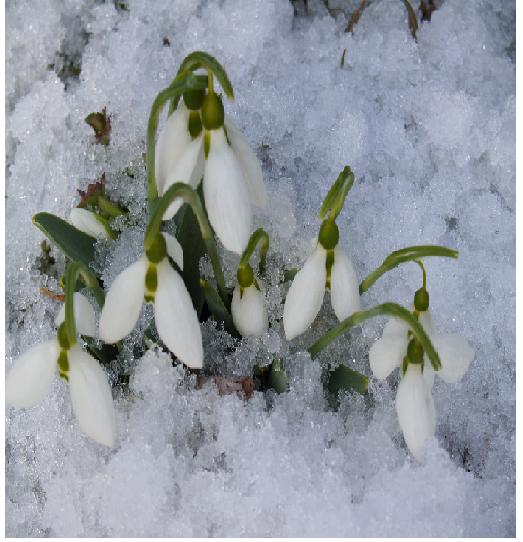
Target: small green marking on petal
[(151, 279)]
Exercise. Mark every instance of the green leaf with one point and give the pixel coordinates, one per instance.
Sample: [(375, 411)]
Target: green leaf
[(200, 59), (76, 244), (218, 309), (344, 378), (277, 377), (189, 236)]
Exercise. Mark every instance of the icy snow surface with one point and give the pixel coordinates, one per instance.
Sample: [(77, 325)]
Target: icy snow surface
[(429, 130)]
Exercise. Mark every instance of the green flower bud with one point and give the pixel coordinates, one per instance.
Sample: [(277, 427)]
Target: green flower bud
[(421, 300), (415, 352), (212, 112), (245, 276), (329, 235), (194, 98), (158, 249), (151, 279), (63, 339), (195, 124)]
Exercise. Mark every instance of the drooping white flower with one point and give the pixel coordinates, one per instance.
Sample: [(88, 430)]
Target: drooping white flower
[(175, 317), (249, 311), (31, 377), (87, 221), (305, 296), (414, 403), (232, 175)]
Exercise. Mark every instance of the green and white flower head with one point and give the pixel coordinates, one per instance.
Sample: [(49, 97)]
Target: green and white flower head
[(248, 307), (327, 267), (414, 403), (153, 279), (31, 377), (90, 223), (199, 141)]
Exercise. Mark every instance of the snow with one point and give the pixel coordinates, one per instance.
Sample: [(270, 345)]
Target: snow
[(429, 130)]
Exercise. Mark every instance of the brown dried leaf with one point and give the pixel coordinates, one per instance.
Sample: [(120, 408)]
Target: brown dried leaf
[(356, 16), (93, 191), (100, 122), (52, 295), (228, 386)]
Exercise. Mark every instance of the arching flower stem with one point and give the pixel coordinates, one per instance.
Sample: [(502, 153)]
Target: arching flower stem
[(405, 255), (390, 309), (189, 196), (76, 270), (260, 236)]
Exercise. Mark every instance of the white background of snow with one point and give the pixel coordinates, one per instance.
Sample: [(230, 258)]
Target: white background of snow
[(428, 129)]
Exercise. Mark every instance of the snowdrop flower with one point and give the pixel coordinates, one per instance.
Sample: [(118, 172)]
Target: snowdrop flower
[(198, 141), (89, 222), (31, 377), (153, 279), (327, 266), (414, 404), (249, 310)]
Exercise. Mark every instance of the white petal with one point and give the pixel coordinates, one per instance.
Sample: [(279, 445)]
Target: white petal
[(29, 380), (123, 302), (86, 221), (187, 169), (345, 295), (415, 409), (84, 315), (428, 372), (176, 320), (395, 326), (249, 311), (174, 249), (305, 295), (172, 141), (425, 319), (387, 353), (91, 397), (226, 198), (250, 164), (455, 354)]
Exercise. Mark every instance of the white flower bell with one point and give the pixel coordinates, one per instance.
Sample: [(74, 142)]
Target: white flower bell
[(305, 296), (414, 404), (232, 175), (87, 221), (31, 377), (152, 277), (248, 307)]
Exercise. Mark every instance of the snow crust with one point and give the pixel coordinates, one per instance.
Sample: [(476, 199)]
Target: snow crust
[(429, 130)]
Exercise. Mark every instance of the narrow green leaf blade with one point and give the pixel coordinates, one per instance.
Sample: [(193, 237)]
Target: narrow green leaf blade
[(218, 309), (344, 378), (189, 236), (76, 244)]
